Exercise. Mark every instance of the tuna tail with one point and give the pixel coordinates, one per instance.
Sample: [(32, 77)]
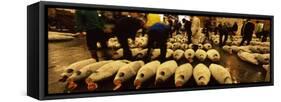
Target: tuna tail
[(118, 84), (71, 84), (179, 83), (137, 83), (91, 85)]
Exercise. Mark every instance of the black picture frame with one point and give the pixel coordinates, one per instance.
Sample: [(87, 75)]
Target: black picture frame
[(37, 54)]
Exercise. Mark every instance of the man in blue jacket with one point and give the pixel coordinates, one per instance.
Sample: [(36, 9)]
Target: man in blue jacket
[(158, 35)]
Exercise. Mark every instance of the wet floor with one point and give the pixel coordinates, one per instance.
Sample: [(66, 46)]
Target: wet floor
[(62, 54)]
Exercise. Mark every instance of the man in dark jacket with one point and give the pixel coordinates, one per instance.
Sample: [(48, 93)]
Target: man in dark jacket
[(207, 27), (265, 31), (158, 35), (91, 23), (223, 31), (171, 23), (234, 29), (187, 28), (177, 26), (127, 27), (247, 32)]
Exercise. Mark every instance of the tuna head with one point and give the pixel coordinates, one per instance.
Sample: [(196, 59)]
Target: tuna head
[(200, 46), (66, 74), (179, 81), (161, 76), (189, 55), (78, 75), (201, 54), (139, 79), (201, 74), (118, 81), (227, 49), (216, 57), (202, 81), (178, 54), (207, 46), (213, 55), (227, 80)]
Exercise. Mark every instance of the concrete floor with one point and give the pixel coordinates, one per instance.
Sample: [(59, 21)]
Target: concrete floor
[(61, 54)]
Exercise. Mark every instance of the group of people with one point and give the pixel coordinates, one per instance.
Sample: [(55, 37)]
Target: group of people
[(248, 29), (101, 25)]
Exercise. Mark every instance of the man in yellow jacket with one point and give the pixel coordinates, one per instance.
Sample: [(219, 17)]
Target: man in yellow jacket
[(152, 19)]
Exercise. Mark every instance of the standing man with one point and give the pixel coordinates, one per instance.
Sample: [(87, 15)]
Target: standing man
[(187, 28), (207, 27), (259, 29), (177, 26), (171, 23), (247, 32), (223, 30), (88, 21), (266, 31), (234, 28)]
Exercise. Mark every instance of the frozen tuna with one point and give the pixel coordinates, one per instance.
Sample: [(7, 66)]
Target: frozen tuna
[(200, 54), (84, 72), (146, 72), (183, 74), (213, 55), (102, 73), (126, 72), (189, 54), (178, 54), (201, 74), (165, 70), (68, 71), (220, 73)]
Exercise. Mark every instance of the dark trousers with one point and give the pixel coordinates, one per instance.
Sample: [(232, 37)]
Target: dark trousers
[(259, 34), (163, 50), (153, 41), (225, 35), (246, 37), (127, 53), (206, 32), (264, 35), (189, 36), (144, 31), (93, 36)]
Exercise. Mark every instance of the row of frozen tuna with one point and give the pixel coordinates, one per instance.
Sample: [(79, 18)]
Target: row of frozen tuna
[(174, 43), (236, 40), (140, 42), (57, 36), (184, 46), (188, 54), (252, 54), (93, 72), (249, 48)]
